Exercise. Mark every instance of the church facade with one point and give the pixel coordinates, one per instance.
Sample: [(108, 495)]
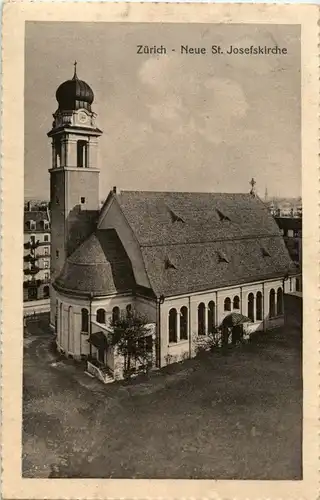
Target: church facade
[(186, 261)]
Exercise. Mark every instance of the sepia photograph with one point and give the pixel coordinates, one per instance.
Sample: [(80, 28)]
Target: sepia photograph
[(160, 290), (162, 251)]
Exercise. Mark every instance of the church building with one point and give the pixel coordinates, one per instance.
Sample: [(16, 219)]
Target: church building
[(184, 260)]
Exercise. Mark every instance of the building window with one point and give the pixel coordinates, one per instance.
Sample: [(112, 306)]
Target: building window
[(32, 293), (259, 306), (46, 237), (227, 304), (46, 250), (57, 147), (46, 292), (211, 316), (236, 302), (32, 225), (272, 303), (298, 288), (115, 314), (279, 302), (61, 323), (82, 199), (56, 318), (70, 329), (57, 253), (45, 264), (84, 321), (172, 325), (183, 323), (82, 150), (129, 309), (45, 224), (201, 319), (251, 306), (46, 276), (101, 316)]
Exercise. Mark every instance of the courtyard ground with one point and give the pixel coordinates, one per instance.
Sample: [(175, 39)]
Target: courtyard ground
[(234, 416)]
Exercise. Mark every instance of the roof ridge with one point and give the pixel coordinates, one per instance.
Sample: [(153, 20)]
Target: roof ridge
[(216, 240)]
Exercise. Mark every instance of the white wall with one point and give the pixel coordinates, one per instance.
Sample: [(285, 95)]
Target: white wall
[(75, 342), (114, 219), (182, 349)]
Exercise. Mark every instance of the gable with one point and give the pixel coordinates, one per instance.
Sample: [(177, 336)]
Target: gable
[(112, 217)]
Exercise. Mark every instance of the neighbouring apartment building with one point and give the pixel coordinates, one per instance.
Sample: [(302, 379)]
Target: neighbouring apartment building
[(291, 229), (36, 255)]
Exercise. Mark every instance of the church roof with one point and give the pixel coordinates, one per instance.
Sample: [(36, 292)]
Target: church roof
[(196, 241), (159, 218), (189, 242), (99, 266)]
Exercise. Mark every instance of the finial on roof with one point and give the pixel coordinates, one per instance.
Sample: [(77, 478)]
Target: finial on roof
[(75, 76), (253, 189)]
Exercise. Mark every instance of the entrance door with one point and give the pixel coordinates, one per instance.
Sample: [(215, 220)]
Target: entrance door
[(101, 352), (237, 332)]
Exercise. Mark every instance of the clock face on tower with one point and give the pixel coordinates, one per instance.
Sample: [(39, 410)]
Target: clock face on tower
[(82, 117)]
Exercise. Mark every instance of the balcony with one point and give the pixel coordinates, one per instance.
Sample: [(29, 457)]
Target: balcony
[(36, 282), (33, 270), (31, 245), (30, 258)]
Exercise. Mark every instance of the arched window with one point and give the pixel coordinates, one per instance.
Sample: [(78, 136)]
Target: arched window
[(129, 309), (259, 306), (82, 153), (60, 323), (279, 302), (251, 306), (211, 316), (101, 316), (46, 291), (183, 323), (272, 303), (201, 319), (84, 321), (173, 325), (56, 318), (236, 302), (227, 304), (70, 329), (115, 314)]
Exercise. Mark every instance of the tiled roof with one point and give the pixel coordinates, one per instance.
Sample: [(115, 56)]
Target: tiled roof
[(211, 240), (203, 216), (189, 242), (100, 266), (38, 217)]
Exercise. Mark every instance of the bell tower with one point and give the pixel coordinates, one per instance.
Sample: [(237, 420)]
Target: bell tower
[(74, 174)]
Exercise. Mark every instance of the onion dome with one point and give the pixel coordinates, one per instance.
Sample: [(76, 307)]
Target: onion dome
[(74, 94)]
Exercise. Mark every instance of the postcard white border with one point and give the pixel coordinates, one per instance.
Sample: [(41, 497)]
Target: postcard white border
[(14, 16)]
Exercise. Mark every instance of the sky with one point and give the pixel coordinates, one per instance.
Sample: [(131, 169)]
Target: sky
[(174, 122)]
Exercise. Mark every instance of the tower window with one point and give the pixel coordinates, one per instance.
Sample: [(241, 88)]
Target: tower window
[(57, 253), (57, 147), (83, 200), (82, 154)]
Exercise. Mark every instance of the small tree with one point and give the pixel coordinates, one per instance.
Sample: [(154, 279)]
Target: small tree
[(129, 335)]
